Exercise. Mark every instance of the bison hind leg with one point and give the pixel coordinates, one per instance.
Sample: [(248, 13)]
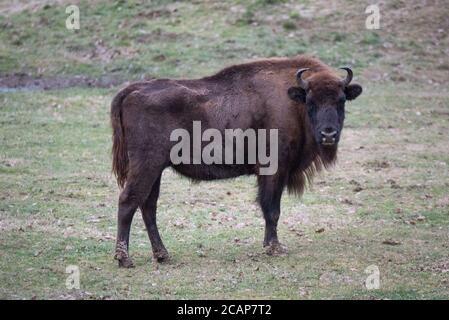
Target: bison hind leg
[(141, 178)]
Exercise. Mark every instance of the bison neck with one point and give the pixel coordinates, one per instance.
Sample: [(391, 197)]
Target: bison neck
[(310, 159)]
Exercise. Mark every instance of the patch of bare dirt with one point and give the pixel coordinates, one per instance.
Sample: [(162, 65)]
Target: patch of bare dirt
[(11, 7), (103, 53), (11, 162), (8, 7), (153, 14), (27, 82), (160, 35), (441, 266), (443, 202), (377, 165)]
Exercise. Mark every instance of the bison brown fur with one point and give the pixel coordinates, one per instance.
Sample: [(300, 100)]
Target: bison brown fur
[(301, 97)]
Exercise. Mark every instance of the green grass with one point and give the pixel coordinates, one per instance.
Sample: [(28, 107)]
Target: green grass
[(58, 197), (163, 38), (58, 203)]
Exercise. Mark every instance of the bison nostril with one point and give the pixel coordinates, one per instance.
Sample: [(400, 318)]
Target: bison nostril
[(328, 136), (329, 133)]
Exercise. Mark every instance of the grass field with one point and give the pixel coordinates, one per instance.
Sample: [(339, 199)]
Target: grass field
[(386, 203)]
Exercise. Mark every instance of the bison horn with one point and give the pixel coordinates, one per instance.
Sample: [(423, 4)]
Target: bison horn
[(348, 78), (302, 83)]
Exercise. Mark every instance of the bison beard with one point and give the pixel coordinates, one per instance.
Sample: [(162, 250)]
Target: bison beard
[(306, 107)]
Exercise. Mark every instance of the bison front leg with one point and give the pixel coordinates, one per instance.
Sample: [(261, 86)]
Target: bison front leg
[(269, 197)]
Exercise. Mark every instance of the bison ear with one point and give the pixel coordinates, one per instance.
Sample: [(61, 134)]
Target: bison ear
[(352, 91), (297, 94)]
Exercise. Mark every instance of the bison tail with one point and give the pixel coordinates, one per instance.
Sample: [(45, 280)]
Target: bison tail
[(120, 160)]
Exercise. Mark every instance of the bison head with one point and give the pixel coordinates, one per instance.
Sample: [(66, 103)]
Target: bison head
[(324, 96)]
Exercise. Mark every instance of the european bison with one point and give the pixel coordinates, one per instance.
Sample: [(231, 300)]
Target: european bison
[(301, 97)]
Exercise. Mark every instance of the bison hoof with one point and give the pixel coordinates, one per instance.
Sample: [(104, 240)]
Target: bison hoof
[(125, 263), (121, 254), (161, 256), (275, 249)]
